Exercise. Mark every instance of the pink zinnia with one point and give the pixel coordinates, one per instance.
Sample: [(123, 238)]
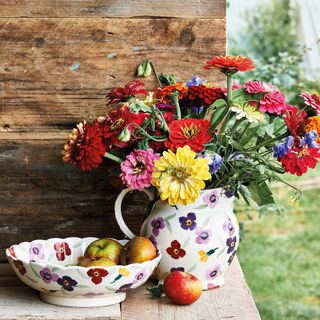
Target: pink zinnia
[(273, 102), (138, 167), (312, 100), (258, 86)]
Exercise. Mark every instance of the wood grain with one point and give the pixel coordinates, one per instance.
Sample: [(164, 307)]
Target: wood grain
[(113, 8), (55, 72)]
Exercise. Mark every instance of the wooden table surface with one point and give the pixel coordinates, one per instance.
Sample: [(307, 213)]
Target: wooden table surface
[(233, 301)]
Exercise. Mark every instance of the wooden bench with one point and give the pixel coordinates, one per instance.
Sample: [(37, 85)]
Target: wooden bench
[(232, 301)]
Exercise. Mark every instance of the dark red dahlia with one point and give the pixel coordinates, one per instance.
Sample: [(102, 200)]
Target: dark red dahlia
[(123, 94), (299, 159), (85, 147), (295, 121), (203, 96), (188, 132)]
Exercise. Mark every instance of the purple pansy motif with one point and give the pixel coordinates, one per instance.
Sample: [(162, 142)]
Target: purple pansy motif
[(203, 235), (48, 276), (212, 273), (153, 240), (231, 243), (140, 276), (157, 225), (188, 222), (67, 283), (212, 198), (36, 252), (229, 226), (124, 288), (231, 257), (177, 269)]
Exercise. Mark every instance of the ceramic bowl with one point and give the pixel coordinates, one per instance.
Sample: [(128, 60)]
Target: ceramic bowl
[(49, 266)]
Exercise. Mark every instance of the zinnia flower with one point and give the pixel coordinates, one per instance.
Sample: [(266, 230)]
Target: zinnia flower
[(230, 64), (248, 111), (312, 100), (85, 147), (190, 132), (313, 124), (123, 94), (137, 168), (202, 95), (295, 121), (299, 159), (273, 102), (164, 94), (180, 177), (258, 87)]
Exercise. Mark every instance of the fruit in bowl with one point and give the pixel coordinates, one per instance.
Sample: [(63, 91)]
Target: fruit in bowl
[(52, 270), (102, 262)]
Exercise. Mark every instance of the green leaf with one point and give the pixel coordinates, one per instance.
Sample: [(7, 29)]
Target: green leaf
[(245, 192), (167, 79), (217, 116), (261, 193), (155, 292), (217, 104), (143, 144), (138, 106)]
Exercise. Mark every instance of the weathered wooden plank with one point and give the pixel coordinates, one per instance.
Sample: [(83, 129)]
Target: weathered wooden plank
[(42, 198), (55, 72), (108, 8)]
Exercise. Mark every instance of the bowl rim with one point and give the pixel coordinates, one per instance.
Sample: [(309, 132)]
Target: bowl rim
[(44, 264)]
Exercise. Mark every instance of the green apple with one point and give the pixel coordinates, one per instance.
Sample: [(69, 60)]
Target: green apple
[(102, 262), (104, 248), (137, 250)]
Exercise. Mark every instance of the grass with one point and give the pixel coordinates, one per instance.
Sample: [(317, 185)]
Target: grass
[(280, 257)]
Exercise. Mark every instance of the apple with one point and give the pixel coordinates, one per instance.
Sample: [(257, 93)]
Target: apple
[(104, 248), (137, 250), (102, 262), (182, 288)]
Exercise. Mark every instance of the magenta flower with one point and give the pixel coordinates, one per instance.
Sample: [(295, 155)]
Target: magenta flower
[(212, 273), (36, 251), (212, 198), (137, 168), (258, 87), (311, 100), (48, 276), (273, 102), (203, 235)]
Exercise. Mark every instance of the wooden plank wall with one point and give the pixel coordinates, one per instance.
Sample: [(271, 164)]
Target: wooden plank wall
[(57, 61)]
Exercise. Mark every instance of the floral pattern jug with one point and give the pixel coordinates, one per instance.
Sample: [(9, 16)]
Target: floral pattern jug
[(200, 238)]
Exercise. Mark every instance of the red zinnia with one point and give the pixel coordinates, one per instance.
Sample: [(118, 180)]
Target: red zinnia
[(312, 100), (299, 159), (164, 94), (191, 132), (62, 250), (230, 63), (295, 121), (122, 94), (115, 122), (203, 96), (175, 250), (85, 147), (97, 274)]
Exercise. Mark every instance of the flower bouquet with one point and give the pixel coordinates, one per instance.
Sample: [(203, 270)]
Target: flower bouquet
[(182, 137)]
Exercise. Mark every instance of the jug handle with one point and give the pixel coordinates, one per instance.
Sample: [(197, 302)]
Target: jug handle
[(118, 214)]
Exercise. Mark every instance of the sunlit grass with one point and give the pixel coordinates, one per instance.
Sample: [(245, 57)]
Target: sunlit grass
[(280, 256)]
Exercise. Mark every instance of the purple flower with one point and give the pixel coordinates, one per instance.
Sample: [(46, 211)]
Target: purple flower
[(188, 222), (166, 107), (238, 156), (203, 235), (36, 252), (197, 110), (228, 193), (48, 276), (212, 198), (124, 288), (157, 225), (194, 81), (140, 276), (212, 273), (67, 283), (309, 140), (231, 243), (229, 226), (282, 149), (214, 161), (231, 257), (177, 269), (153, 240)]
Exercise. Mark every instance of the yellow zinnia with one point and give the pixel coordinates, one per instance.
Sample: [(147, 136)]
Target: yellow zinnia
[(180, 176)]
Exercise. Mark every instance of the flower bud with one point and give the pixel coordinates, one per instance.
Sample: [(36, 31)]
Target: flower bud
[(125, 135), (144, 69)]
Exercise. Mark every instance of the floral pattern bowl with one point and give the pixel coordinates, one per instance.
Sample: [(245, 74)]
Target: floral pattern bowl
[(49, 266)]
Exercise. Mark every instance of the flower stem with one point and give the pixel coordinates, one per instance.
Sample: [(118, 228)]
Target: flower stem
[(244, 130), (229, 88), (175, 98), (225, 122), (156, 73), (113, 157), (270, 141)]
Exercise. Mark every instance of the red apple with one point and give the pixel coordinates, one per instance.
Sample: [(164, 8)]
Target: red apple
[(182, 288), (104, 248), (102, 262)]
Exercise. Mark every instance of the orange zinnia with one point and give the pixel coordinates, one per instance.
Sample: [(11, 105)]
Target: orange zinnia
[(230, 63), (164, 94), (313, 123)]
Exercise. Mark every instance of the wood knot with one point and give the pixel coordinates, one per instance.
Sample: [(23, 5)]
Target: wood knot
[(40, 42), (186, 36), (98, 35)]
